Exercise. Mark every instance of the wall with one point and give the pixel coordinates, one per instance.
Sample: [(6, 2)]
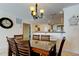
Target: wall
[(16, 29), (46, 28), (43, 27), (72, 32), (44, 31)]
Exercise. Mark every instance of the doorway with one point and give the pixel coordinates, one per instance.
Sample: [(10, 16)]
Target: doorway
[(26, 31)]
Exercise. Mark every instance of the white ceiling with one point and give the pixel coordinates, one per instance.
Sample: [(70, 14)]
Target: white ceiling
[(22, 9)]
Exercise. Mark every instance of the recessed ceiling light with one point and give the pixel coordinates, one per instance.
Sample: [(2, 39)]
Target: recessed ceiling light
[(61, 12)]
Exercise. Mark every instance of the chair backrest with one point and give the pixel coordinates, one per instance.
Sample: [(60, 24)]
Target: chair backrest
[(52, 51), (18, 36), (61, 46), (23, 48), (12, 47)]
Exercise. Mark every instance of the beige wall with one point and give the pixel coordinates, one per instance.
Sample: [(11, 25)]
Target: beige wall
[(16, 29), (72, 32), (42, 27), (45, 27)]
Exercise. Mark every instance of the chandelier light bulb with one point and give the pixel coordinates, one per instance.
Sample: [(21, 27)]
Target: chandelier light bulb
[(32, 8), (34, 13), (41, 10), (61, 12)]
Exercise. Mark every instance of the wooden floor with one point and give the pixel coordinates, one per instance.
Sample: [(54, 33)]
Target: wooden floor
[(69, 54), (64, 54)]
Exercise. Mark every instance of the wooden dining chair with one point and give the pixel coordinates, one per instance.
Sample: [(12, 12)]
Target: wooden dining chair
[(23, 48), (61, 46), (12, 50), (18, 36), (53, 52)]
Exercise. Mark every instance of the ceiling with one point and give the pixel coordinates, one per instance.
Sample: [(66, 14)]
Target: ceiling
[(22, 10)]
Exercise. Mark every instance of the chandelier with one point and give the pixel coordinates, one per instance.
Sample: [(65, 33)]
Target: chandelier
[(34, 12)]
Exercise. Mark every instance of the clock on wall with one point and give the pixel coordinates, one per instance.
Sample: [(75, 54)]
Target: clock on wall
[(6, 22), (74, 20)]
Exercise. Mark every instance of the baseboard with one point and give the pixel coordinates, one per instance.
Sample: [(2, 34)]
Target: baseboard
[(72, 51)]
